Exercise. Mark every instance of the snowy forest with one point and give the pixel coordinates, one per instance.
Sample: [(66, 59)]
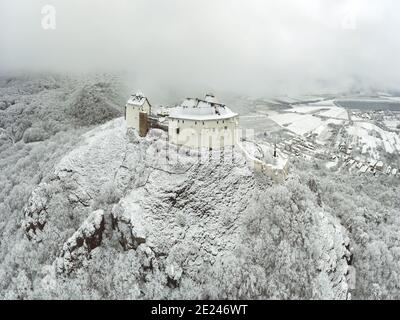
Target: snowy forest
[(66, 231)]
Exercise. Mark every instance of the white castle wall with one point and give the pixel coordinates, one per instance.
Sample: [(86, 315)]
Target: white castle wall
[(277, 173), (214, 134)]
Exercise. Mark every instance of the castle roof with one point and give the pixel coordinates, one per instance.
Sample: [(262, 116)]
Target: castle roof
[(137, 99), (197, 109)]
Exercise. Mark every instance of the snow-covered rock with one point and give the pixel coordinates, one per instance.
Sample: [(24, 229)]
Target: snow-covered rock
[(79, 246), (35, 213), (179, 209)]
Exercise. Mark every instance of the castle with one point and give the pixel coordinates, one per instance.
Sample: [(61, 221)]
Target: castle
[(203, 124), (196, 123), (199, 124)]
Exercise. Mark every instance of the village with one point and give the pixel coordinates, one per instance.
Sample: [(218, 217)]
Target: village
[(343, 158), (358, 136)]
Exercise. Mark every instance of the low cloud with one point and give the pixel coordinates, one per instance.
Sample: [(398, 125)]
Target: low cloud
[(181, 47)]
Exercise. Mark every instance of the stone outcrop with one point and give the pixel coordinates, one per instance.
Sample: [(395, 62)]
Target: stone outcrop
[(36, 213), (77, 248)]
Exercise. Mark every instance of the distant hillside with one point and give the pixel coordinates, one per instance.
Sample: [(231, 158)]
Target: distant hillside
[(41, 118), (34, 108)]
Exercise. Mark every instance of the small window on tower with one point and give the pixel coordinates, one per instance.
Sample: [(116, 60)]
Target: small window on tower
[(177, 130)]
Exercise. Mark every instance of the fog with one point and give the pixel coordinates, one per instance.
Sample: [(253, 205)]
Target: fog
[(257, 47)]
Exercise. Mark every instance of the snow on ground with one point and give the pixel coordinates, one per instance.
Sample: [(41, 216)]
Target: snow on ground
[(363, 131), (286, 100), (322, 108), (391, 140), (361, 135), (311, 118), (325, 103), (331, 164), (392, 124), (356, 118), (335, 112), (306, 109), (323, 132), (297, 123), (303, 123), (171, 202)]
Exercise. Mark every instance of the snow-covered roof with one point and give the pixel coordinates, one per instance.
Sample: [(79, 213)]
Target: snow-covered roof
[(137, 99), (197, 109), (211, 98)]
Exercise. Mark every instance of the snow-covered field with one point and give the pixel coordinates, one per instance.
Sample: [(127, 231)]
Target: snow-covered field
[(372, 137), (322, 108), (392, 124), (300, 123), (335, 112), (311, 118)]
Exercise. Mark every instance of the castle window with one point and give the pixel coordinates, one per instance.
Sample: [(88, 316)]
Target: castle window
[(183, 121), (203, 123), (195, 122), (217, 122), (178, 121), (226, 128), (177, 130)]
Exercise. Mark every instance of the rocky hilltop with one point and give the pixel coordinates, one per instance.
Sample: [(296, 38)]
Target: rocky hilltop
[(179, 212)]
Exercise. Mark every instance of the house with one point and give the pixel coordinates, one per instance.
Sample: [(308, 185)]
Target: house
[(379, 166), (373, 163), (198, 123), (137, 111)]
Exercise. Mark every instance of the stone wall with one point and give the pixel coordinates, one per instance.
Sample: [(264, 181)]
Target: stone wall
[(277, 173)]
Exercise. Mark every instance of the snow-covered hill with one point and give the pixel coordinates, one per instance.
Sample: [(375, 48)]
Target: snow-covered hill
[(183, 217)]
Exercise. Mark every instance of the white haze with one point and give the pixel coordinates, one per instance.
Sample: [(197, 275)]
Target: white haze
[(178, 46)]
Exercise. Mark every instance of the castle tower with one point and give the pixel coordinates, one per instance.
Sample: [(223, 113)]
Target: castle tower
[(137, 110)]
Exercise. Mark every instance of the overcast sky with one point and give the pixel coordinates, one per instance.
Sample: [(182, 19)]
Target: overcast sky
[(255, 47)]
